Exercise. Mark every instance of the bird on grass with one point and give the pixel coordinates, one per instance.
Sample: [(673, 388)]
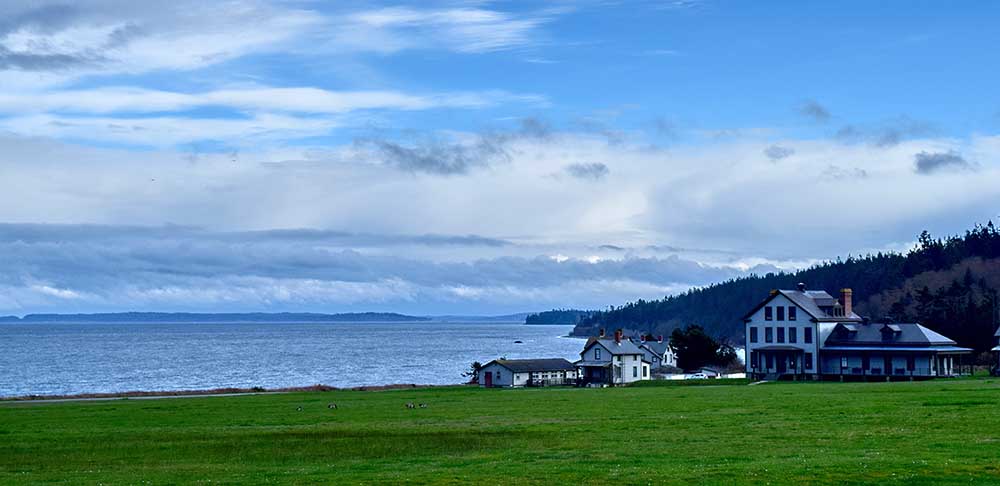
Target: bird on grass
[(332, 406), (299, 409), (423, 405), (410, 405)]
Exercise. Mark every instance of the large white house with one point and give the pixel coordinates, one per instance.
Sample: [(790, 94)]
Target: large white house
[(612, 361), (527, 372), (809, 333)]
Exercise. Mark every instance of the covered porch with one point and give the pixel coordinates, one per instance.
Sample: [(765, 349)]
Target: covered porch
[(778, 361), (594, 373), (896, 363)]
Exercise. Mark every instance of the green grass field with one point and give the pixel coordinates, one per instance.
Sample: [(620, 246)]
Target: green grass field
[(935, 432)]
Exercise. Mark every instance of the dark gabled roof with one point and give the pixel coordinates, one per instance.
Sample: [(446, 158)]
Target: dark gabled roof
[(656, 347), (903, 335), (528, 365), (810, 301), (624, 347), (896, 349)]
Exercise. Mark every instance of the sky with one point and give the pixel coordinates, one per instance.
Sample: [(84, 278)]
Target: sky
[(473, 157)]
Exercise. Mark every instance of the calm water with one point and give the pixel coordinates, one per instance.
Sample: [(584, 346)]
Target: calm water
[(80, 358)]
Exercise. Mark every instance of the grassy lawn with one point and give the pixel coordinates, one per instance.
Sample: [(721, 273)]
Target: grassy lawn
[(935, 432)]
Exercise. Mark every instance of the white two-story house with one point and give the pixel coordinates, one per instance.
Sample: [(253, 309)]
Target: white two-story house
[(658, 353), (612, 361), (810, 334)]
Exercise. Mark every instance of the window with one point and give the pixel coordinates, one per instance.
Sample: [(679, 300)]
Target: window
[(781, 334), (753, 334), (781, 313), (768, 335), (635, 372), (618, 371), (754, 360), (807, 335), (768, 314), (793, 313), (808, 358), (843, 362), (645, 372), (618, 358), (597, 354), (793, 334)]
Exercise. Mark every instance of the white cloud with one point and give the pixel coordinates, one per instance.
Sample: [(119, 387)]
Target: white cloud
[(128, 37), (165, 131), (469, 30), (542, 240), (301, 99)]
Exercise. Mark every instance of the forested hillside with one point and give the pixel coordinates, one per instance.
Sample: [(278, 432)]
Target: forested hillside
[(557, 316), (951, 285)]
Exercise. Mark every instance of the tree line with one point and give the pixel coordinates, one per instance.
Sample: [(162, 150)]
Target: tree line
[(948, 284)]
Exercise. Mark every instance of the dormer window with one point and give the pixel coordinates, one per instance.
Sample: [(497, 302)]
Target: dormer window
[(889, 332), (597, 354)]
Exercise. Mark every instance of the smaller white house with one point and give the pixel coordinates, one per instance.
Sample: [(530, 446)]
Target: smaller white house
[(657, 353), (527, 372), (612, 361), (996, 371)]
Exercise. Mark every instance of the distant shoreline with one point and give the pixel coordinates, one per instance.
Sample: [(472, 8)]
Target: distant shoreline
[(200, 317), (251, 317), (226, 391)]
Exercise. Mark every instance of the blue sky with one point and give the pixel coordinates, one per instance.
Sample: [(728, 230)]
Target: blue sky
[(476, 157)]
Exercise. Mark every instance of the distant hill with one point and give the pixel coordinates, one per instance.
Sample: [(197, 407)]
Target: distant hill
[(221, 317), (504, 318), (951, 285), (558, 316)]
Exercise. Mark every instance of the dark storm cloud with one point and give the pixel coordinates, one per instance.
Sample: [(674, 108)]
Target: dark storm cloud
[(43, 62), (889, 134), (437, 157), (814, 111), (37, 233), (440, 158), (91, 257), (930, 162), (52, 19), (777, 152), (593, 171)]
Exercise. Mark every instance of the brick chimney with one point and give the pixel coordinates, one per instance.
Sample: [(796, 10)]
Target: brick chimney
[(618, 336), (601, 333), (846, 300)]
